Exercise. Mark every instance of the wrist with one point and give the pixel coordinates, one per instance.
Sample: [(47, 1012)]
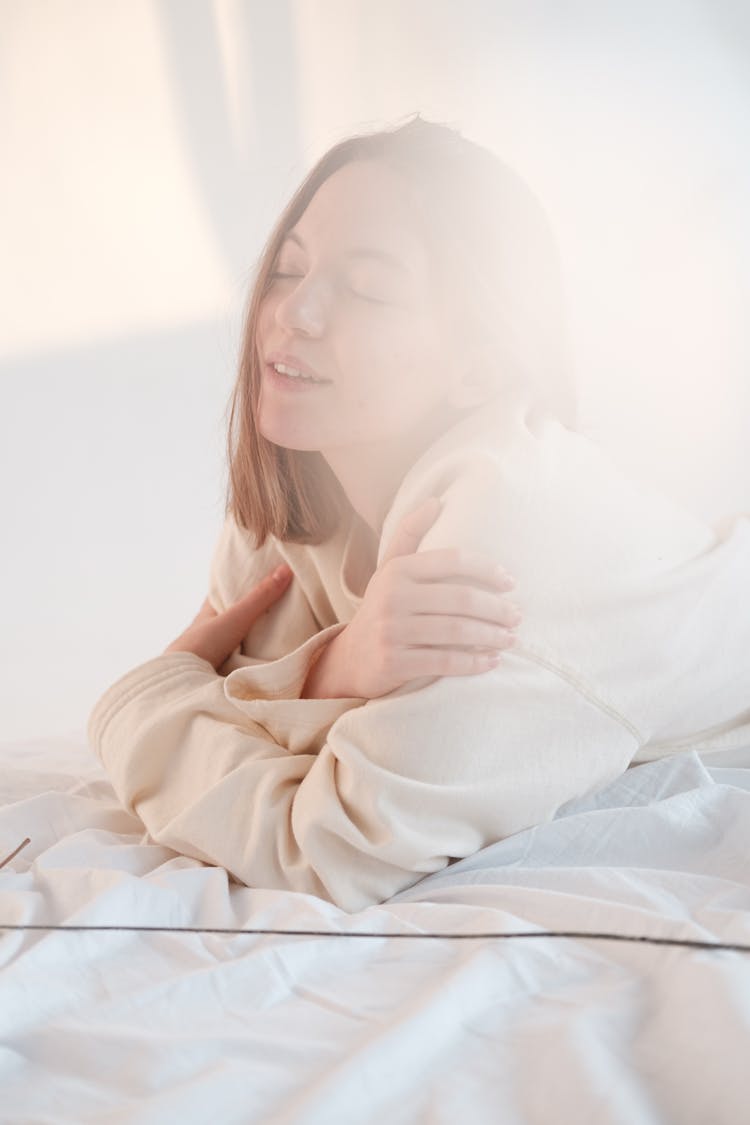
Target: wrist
[(321, 676)]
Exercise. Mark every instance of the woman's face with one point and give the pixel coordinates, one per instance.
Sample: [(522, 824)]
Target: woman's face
[(352, 302)]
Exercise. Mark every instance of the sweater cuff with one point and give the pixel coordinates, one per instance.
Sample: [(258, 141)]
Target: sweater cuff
[(269, 694), (134, 683)]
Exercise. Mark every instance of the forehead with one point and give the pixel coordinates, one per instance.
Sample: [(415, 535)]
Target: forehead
[(364, 204)]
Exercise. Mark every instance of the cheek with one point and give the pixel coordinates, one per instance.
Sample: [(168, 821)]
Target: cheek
[(399, 372), (385, 357)]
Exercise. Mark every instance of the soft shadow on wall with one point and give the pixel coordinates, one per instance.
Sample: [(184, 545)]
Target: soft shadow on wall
[(112, 446)]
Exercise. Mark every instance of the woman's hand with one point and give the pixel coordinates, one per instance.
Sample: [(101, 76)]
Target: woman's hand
[(214, 636), (423, 614)]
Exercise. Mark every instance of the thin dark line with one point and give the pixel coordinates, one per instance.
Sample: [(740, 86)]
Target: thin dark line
[(578, 934), (20, 848)]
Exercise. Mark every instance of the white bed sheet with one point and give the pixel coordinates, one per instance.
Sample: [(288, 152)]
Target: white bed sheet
[(155, 1027)]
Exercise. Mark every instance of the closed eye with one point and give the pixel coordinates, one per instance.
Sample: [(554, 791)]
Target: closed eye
[(361, 296), (372, 300)]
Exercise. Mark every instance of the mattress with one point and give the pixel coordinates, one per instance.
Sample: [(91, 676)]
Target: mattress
[(595, 968)]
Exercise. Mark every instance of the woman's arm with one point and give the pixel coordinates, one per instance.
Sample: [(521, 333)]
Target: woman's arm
[(356, 807)]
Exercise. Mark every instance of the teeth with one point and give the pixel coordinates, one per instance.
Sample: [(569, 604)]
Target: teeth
[(294, 374)]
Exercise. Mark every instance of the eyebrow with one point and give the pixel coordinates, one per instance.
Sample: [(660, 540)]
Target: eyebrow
[(362, 252)]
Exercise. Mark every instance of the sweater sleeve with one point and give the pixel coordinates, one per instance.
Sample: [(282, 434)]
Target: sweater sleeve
[(356, 807)]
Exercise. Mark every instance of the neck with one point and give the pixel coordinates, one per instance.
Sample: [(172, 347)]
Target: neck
[(371, 473)]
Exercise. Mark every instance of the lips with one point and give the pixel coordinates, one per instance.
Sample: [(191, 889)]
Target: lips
[(298, 364)]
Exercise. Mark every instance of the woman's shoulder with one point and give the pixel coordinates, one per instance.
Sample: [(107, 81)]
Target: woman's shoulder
[(534, 493)]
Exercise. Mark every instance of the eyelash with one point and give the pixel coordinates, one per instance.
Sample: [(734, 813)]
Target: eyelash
[(360, 296)]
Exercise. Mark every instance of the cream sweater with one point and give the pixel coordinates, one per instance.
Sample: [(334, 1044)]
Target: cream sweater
[(634, 644)]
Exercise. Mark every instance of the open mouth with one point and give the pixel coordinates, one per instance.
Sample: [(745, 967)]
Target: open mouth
[(294, 382)]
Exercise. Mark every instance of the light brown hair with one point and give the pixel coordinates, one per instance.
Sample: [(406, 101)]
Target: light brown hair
[(498, 276)]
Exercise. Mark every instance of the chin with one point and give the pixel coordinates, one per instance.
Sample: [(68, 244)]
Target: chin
[(277, 436)]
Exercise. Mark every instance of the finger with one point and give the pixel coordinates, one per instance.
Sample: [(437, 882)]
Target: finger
[(453, 632), (461, 601), (443, 563), (419, 662), (412, 527), (261, 597), (205, 613), (227, 630)]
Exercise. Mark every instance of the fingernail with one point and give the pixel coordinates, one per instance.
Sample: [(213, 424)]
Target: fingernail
[(281, 573)]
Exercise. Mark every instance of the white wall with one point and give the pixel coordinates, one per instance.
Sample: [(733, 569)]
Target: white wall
[(147, 148)]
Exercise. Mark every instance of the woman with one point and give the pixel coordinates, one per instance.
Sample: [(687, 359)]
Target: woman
[(400, 428)]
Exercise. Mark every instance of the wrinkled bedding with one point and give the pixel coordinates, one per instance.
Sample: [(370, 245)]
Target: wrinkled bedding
[(153, 1026)]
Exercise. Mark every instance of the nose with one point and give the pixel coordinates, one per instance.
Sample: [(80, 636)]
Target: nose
[(304, 308)]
